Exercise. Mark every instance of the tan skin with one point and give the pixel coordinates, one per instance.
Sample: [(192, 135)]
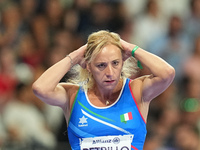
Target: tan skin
[(106, 70)]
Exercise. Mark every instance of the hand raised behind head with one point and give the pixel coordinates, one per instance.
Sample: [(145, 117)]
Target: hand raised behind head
[(81, 52), (127, 47)]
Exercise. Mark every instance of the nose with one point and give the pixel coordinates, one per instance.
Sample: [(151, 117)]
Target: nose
[(109, 71)]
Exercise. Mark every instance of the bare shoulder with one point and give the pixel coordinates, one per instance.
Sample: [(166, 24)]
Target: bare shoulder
[(136, 86), (137, 90), (137, 81), (142, 78), (71, 90), (69, 87)]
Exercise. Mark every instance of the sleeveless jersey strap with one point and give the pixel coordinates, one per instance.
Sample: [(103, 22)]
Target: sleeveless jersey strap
[(135, 101), (74, 103)]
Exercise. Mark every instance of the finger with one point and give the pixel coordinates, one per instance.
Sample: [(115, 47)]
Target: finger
[(83, 64)]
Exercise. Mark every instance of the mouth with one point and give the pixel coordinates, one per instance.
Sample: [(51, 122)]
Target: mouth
[(110, 81)]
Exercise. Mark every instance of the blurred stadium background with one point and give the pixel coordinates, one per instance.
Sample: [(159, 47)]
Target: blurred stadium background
[(34, 34)]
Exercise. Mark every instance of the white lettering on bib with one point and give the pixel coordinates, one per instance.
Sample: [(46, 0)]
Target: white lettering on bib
[(121, 142)]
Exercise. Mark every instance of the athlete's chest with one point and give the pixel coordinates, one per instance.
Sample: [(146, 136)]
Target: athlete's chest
[(121, 118)]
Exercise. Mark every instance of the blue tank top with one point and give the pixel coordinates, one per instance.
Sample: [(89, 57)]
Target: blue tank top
[(121, 118)]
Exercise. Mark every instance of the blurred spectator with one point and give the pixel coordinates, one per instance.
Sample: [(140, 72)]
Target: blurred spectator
[(55, 54), (149, 25), (83, 9), (153, 142), (28, 9), (190, 108), (134, 7), (12, 26), (126, 29), (82, 5), (192, 22), (71, 20), (54, 14), (64, 39), (191, 87), (98, 18), (163, 117), (8, 78), (28, 52), (178, 7), (168, 100), (107, 15), (25, 124), (41, 32), (174, 46), (3, 134), (119, 18), (186, 138), (190, 103), (191, 65)]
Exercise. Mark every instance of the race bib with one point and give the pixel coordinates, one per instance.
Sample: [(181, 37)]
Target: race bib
[(121, 142)]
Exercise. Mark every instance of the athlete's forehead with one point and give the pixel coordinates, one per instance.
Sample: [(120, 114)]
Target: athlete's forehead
[(108, 53)]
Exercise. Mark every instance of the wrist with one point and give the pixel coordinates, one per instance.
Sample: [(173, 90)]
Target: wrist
[(133, 50), (129, 49), (71, 61), (74, 58)]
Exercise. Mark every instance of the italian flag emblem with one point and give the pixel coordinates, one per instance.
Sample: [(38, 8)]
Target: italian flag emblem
[(126, 117)]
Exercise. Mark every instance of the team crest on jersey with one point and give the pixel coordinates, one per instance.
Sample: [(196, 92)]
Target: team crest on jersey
[(83, 122)]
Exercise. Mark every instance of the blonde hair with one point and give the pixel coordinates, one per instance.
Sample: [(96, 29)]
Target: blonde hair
[(96, 42)]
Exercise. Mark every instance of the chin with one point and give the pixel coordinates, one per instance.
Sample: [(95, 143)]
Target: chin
[(110, 86)]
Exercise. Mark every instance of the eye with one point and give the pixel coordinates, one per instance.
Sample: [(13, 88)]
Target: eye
[(101, 65), (115, 63)]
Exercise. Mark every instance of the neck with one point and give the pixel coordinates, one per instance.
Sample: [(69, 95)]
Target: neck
[(108, 97)]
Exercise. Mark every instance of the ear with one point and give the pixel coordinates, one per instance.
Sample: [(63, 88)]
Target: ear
[(88, 67)]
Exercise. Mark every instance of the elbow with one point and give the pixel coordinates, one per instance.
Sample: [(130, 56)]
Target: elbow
[(37, 90), (41, 91), (169, 74)]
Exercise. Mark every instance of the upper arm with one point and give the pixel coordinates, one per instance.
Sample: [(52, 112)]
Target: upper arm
[(152, 86), (147, 87), (58, 97)]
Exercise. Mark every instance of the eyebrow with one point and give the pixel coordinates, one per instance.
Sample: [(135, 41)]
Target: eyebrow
[(106, 62)]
